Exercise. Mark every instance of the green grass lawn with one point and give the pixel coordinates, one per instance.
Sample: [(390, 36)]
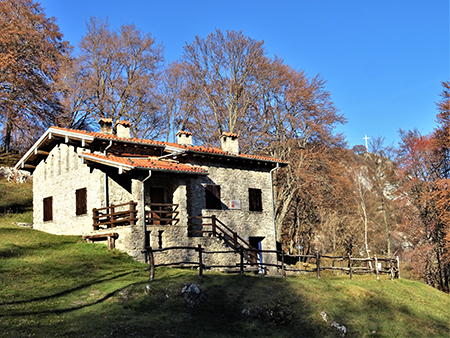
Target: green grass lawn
[(60, 286)]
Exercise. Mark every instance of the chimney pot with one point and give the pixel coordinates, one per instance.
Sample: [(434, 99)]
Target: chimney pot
[(123, 129), (230, 143), (184, 138), (106, 126)]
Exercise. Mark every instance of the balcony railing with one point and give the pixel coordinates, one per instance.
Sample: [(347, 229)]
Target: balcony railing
[(114, 215), (162, 214)]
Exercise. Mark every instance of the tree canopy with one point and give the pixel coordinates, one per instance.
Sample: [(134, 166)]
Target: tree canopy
[(31, 52)]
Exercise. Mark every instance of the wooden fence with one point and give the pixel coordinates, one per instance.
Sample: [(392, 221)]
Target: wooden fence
[(114, 215), (393, 267)]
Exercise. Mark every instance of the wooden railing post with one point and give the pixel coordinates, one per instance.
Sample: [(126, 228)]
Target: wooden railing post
[(213, 223), (95, 218), (133, 213), (112, 210), (235, 239), (283, 271), (318, 264), (350, 266), (241, 266), (376, 267), (200, 260), (151, 262)]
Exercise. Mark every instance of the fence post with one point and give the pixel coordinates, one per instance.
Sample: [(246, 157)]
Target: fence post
[(376, 267), (350, 266), (200, 260), (398, 268), (133, 213), (95, 218), (283, 271), (151, 262), (112, 210), (235, 239), (241, 265), (213, 223), (318, 264), (391, 268)]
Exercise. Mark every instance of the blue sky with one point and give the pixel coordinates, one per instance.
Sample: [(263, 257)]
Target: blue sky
[(384, 60)]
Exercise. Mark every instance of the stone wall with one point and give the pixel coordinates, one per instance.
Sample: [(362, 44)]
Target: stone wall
[(60, 175)]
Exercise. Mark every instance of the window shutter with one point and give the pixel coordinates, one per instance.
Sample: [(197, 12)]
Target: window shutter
[(255, 199), (48, 209), (213, 196), (80, 201)]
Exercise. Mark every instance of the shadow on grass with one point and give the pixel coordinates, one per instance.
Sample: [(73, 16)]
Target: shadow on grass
[(68, 291)]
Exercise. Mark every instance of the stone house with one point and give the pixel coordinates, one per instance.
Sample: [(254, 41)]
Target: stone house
[(134, 193)]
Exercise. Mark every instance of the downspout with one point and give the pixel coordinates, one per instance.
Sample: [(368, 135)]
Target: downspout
[(144, 226), (273, 203), (105, 177)]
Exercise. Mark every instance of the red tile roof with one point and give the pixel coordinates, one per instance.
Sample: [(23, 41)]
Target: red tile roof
[(188, 148), (151, 163)]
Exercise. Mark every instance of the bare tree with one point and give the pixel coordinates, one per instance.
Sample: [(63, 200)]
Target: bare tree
[(117, 76)]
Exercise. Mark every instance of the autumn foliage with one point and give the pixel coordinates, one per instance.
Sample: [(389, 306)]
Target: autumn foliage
[(32, 51)]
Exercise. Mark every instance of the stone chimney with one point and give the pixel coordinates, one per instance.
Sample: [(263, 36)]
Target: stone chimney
[(184, 138), (230, 143), (106, 126), (123, 129)]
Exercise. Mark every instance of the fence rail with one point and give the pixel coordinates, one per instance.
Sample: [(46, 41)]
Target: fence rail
[(393, 269)]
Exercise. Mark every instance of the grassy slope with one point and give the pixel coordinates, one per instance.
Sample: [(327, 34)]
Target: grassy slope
[(59, 286)]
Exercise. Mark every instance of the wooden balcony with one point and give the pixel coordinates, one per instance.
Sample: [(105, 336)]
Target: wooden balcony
[(162, 214), (114, 215)]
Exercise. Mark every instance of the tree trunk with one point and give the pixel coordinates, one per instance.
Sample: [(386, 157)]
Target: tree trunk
[(8, 132)]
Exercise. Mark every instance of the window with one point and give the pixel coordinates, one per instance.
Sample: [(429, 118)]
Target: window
[(254, 199), (213, 196), (48, 209), (80, 201)]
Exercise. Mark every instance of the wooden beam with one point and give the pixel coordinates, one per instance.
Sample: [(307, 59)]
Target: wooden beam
[(41, 152)]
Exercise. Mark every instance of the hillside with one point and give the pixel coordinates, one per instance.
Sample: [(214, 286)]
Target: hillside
[(60, 286)]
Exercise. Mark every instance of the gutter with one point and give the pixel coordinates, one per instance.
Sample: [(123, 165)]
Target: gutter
[(105, 176), (273, 202), (144, 226)]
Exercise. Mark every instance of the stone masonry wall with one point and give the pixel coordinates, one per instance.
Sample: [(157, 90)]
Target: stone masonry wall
[(60, 175)]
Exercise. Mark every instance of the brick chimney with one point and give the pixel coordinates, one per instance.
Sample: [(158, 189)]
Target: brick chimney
[(230, 143), (106, 126), (123, 129), (184, 138)]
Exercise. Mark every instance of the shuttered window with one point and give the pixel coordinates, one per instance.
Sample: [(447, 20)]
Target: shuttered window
[(212, 192), (81, 203), (48, 209), (255, 200)]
